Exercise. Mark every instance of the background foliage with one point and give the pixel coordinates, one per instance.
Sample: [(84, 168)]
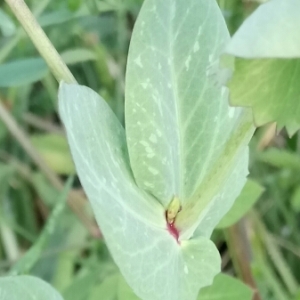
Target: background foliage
[(262, 249)]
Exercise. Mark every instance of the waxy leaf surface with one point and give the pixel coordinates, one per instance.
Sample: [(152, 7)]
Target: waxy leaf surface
[(271, 31), (178, 121), (132, 222), (182, 139)]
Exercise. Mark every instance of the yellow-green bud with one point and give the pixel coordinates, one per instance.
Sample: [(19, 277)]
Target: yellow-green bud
[(173, 209)]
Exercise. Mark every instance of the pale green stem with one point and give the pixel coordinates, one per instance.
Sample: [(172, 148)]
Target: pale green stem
[(41, 41)]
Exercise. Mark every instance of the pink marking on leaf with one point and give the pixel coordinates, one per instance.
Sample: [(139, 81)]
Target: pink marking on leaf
[(173, 230)]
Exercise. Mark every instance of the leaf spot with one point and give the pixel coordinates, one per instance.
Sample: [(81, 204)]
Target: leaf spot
[(199, 30), (223, 91), (148, 184), (138, 61), (231, 112), (173, 11), (158, 132), (186, 269), (144, 143), (154, 8), (153, 138), (153, 171), (187, 62), (196, 47), (145, 84)]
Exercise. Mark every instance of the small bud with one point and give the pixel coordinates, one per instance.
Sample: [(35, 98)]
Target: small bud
[(173, 209)]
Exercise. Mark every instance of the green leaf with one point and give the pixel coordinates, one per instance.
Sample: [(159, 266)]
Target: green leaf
[(184, 140), (226, 288), (264, 81), (249, 195), (26, 288), (271, 31), (167, 75), (132, 222), (54, 149), (275, 97), (179, 125), (74, 56), (22, 72)]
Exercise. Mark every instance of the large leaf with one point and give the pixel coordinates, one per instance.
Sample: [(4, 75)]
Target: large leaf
[(266, 80), (184, 140), (226, 288), (26, 288), (178, 121), (132, 222)]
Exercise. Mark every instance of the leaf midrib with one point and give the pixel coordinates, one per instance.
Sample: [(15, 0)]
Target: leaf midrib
[(174, 80)]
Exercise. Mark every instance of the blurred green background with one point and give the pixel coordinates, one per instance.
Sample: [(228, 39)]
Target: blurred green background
[(93, 36)]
